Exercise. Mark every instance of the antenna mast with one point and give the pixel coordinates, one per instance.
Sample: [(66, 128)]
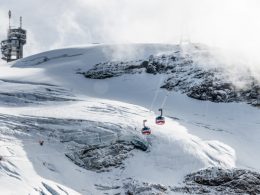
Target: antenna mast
[(9, 15), (21, 21)]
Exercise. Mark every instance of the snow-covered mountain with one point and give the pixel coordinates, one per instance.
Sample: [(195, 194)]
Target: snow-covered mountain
[(184, 70), (87, 105)]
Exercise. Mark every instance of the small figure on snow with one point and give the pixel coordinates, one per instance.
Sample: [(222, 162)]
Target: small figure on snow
[(41, 142)]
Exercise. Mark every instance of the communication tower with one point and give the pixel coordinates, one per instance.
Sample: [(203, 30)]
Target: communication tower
[(12, 47)]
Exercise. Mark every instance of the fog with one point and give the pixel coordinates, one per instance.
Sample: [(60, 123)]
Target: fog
[(232, 25)]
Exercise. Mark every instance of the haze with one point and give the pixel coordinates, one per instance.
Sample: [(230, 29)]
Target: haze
[(229, 24)]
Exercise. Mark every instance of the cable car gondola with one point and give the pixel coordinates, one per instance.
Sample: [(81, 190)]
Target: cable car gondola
[(146, 130), (160, 120)]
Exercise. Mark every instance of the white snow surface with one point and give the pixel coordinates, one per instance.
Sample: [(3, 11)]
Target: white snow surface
[(197, 134)]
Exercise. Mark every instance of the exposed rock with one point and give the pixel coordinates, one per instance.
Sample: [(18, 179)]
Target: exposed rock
[(140, 144), (105, 188), (221, 181), (184, 73), (96, 146), (102, 158), (208, 181), (133, 187)]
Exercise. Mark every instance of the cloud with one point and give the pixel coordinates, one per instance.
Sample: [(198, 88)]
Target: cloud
[(232, 24)]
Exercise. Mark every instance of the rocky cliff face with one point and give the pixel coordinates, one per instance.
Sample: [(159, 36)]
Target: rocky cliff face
[(186, 72), (221, 181), (102, 158)]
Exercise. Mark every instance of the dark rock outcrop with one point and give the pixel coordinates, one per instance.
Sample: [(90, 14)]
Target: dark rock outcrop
[(102, 158), (214, 180), (184, 73), (133, 187), (221, 181)]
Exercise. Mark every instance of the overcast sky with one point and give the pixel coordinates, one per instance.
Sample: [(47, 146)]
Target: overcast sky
[(232, 24)]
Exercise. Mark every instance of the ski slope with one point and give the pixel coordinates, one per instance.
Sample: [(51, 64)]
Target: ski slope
[(42, 97)]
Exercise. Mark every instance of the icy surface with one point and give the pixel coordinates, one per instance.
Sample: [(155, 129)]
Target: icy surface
[(83, 122)]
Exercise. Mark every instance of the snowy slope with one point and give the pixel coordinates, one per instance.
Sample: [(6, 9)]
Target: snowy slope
[(43, 97)]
